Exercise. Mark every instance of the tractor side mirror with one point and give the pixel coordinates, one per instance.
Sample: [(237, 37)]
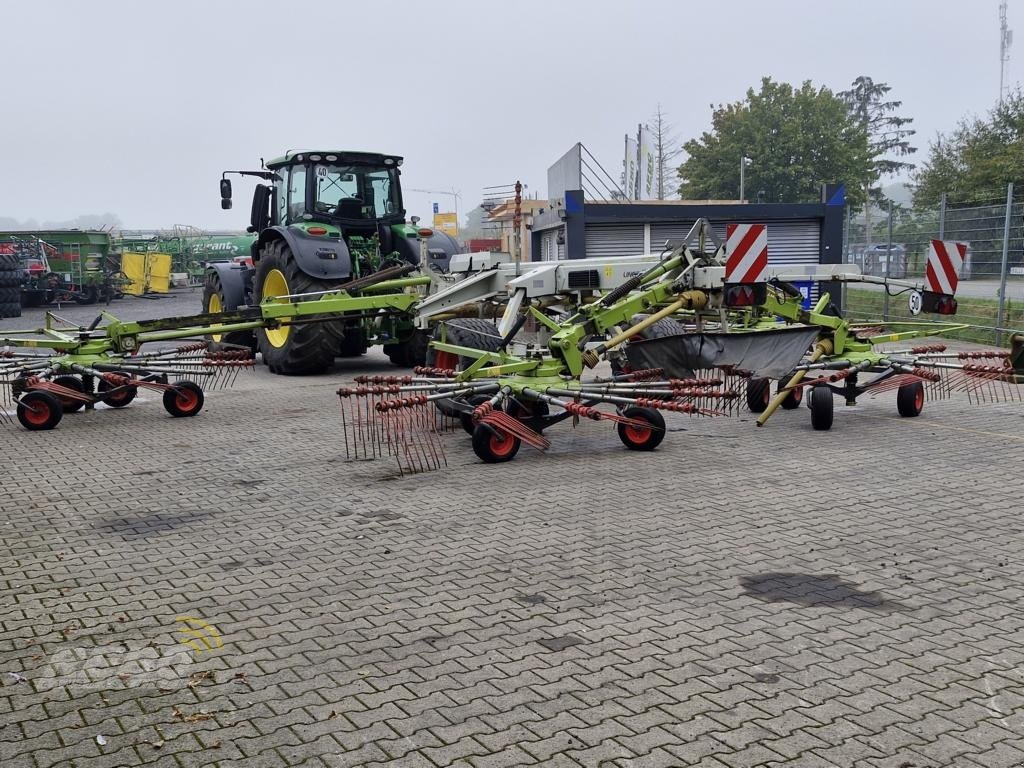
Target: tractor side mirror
[(225, 194)]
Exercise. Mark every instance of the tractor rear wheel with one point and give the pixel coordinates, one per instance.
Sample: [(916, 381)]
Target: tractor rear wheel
[(638, 438), (494, 446), (821, 408), (39, 410), (759, 394), (70, 405), (910, 399), (293, 349), (215, 300), (469, 332)]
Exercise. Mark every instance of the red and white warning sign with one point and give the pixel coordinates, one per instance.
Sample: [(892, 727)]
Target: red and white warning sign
[(945, 258), (746, 249)]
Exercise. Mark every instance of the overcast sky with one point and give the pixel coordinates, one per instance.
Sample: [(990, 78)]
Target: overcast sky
[(136, 107)]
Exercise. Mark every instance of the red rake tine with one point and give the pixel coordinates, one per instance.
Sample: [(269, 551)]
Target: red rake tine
[(514, 427)]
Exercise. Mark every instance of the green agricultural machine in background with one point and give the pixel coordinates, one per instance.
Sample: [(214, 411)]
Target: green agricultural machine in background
[(64, 265), (191, 249), (325, 218)]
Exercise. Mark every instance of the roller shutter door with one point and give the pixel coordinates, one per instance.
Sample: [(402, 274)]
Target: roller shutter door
[(614, 240)]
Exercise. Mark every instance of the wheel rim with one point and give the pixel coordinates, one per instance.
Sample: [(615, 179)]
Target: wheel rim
[(186, 399), (215, 305), (37, 412), (637, 435), (919, 398), (275, 284), (767, 394), (501, 445), (446, 360)]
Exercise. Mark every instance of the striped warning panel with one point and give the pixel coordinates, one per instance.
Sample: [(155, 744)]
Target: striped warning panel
[(945, 258), (746, 248)]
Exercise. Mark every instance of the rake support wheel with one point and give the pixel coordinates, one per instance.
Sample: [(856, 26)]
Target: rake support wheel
[(759, 394), (67, 404), (184, 398), (642, 438), (910, 399), (821, 408), (494, 446), (794, 397), (116, 397), (39, 410)]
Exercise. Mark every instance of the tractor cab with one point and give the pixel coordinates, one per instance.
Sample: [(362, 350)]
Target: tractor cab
[(354, 190)]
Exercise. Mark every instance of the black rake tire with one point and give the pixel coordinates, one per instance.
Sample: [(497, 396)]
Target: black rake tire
[(641, 438), (184, 398), (494, 447), (115, 397), (39, 410), (910, 399), (759, 394), (794, 397), (213, 293), (71, 382), (821, 408), (469, 332), (309, 348)]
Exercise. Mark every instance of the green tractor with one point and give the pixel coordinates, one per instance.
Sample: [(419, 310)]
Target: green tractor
[(324, 219)]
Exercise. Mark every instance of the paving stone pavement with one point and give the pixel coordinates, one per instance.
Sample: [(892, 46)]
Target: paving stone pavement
[(741, 596)]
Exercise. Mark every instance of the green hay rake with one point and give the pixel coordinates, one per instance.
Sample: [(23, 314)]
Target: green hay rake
[(62, 368), (736, 343)]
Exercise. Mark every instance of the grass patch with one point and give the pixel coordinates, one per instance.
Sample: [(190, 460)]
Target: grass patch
[(868, 304)]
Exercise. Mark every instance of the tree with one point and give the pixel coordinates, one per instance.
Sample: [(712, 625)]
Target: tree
[(978, 159), (887, 136), (666, 150), (797, 138)]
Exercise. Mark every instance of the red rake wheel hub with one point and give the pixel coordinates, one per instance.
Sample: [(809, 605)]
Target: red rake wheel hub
[(637, 435), (186, 400), (38, 413), (501, 445)]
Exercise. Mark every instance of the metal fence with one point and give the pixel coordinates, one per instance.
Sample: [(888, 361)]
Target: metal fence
[(991, 290)]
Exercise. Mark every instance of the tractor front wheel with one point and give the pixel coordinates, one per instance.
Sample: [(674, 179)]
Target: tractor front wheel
[(184, 398), (821, 408), (215, 300), (39, 410), (494, 446), (293, 349), (642, 438), (910, 399)]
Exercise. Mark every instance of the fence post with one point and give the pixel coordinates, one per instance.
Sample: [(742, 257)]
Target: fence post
[(1002, 268), (888, 266), (942, 217)]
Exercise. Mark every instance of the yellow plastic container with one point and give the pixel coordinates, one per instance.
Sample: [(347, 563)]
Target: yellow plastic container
[(146, 272)]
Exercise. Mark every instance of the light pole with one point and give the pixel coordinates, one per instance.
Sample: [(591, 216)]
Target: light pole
[(744, 162)]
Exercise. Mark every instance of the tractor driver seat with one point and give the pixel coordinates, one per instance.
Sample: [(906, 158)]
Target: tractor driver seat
[(349, 208)]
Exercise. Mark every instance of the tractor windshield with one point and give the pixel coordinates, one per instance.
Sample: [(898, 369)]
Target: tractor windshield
[(356, 192)]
